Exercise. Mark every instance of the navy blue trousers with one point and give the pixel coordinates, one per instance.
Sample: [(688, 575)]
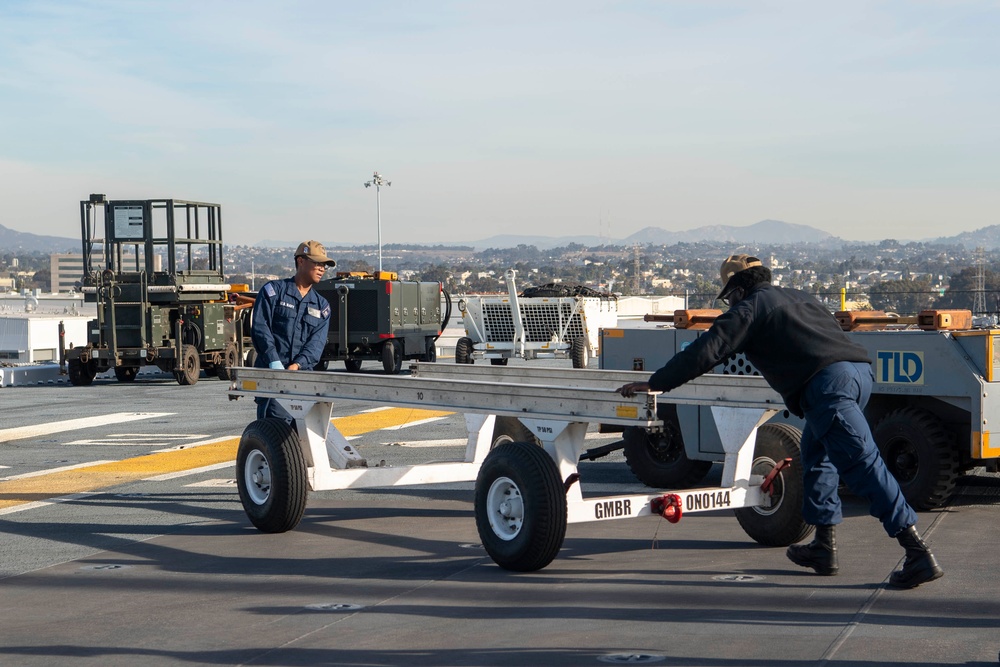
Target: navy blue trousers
[(267, 408), (836, 439)]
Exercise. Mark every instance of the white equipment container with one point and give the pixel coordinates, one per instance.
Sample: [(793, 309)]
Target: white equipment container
[(500, 327)]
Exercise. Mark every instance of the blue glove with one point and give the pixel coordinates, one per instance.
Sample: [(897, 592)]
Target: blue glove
[(276, 365)]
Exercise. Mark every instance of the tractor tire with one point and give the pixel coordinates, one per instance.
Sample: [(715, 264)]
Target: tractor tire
[(463, 351), (658, 459), (779, 523), (919, 453), (271, 476), (520, 507), (578, 353)]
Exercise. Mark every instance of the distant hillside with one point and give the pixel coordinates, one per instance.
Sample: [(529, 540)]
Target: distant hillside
[(14, 241), (986, 237), (765, 231)]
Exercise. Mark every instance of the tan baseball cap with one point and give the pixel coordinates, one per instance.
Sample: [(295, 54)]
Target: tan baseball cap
[(315, 251), (733, 265)]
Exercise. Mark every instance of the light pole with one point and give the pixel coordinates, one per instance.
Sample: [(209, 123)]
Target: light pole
[(378, 181)]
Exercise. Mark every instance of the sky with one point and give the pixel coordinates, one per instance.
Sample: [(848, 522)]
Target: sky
[(867, 120)]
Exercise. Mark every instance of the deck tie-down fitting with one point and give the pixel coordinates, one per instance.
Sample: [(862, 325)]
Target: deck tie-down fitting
[(668, 506), (767, 486)]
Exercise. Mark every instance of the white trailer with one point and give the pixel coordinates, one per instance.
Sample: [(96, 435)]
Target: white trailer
[(528, 486), (499, 327)]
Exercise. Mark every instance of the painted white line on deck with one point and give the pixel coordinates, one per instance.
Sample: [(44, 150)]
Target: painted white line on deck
[(48, 471), (36, 430), (452, 442), (46, 503), (193, 471), (416, 423)]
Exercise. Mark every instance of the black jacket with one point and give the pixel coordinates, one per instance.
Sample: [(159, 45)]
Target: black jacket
[(785, 333)]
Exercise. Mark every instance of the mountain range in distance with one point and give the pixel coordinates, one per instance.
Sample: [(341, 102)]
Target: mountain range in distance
[(764, 232)]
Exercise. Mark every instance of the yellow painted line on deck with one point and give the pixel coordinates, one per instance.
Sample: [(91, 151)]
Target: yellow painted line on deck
[(103, 475)]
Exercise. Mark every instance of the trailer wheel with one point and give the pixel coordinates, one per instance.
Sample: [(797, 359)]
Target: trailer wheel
[(520, 507), (578, 352), (230, 359), (779, 522), (463, 351), (251, 358), (352, 365), (510, 429), (431, 354), (126, 373), (658, 459), (392, 357), (189, 366), (271, 475), (919, 454), (81, 374)]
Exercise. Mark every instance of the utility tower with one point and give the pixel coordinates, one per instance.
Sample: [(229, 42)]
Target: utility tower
[(979, 303)]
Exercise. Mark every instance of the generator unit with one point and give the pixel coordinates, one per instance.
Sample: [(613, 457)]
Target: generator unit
[(376, 316), (154, 267), (930, 411)]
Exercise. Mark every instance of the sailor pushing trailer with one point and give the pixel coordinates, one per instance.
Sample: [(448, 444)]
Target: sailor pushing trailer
[(527, 484)]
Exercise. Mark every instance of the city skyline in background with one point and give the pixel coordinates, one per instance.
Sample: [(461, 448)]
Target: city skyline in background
[(866, 120)]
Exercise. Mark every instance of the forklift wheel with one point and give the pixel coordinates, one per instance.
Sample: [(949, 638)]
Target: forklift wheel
[(520, 507), (271, 475), (778, 523)]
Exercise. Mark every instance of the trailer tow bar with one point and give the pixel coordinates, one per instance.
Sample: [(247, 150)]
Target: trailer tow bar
[(767, 486), (668, 506)]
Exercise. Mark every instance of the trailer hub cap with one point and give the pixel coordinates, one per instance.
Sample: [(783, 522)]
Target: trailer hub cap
[(505, 508), (257, 474)]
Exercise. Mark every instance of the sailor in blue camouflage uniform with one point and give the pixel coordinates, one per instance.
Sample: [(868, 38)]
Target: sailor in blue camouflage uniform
[(291, 320), (824, 377)]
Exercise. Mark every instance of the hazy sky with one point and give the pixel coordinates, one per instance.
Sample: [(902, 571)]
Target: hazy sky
[(868, 120)]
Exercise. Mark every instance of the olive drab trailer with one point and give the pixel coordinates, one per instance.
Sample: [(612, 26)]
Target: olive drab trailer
[(376, 316), (935, 399), (154, 267), (527, 481)]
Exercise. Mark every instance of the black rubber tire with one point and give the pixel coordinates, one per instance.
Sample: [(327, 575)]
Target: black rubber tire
[(431, 353), (658, 460), (502, 361), (126, 373), (510, 429), (322, 366), (531, 538), (578, 352), (251, 358), (463, 351), (271, 475), (781, 523), (230, 359), (919, 453), (392, 357), (352, 365), (81, 374), (189, 366)]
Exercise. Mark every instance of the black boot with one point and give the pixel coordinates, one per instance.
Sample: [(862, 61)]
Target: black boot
[(920, 565), (820, 554)]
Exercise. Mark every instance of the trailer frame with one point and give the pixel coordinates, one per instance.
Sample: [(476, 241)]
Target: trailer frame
[(525, 494)]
